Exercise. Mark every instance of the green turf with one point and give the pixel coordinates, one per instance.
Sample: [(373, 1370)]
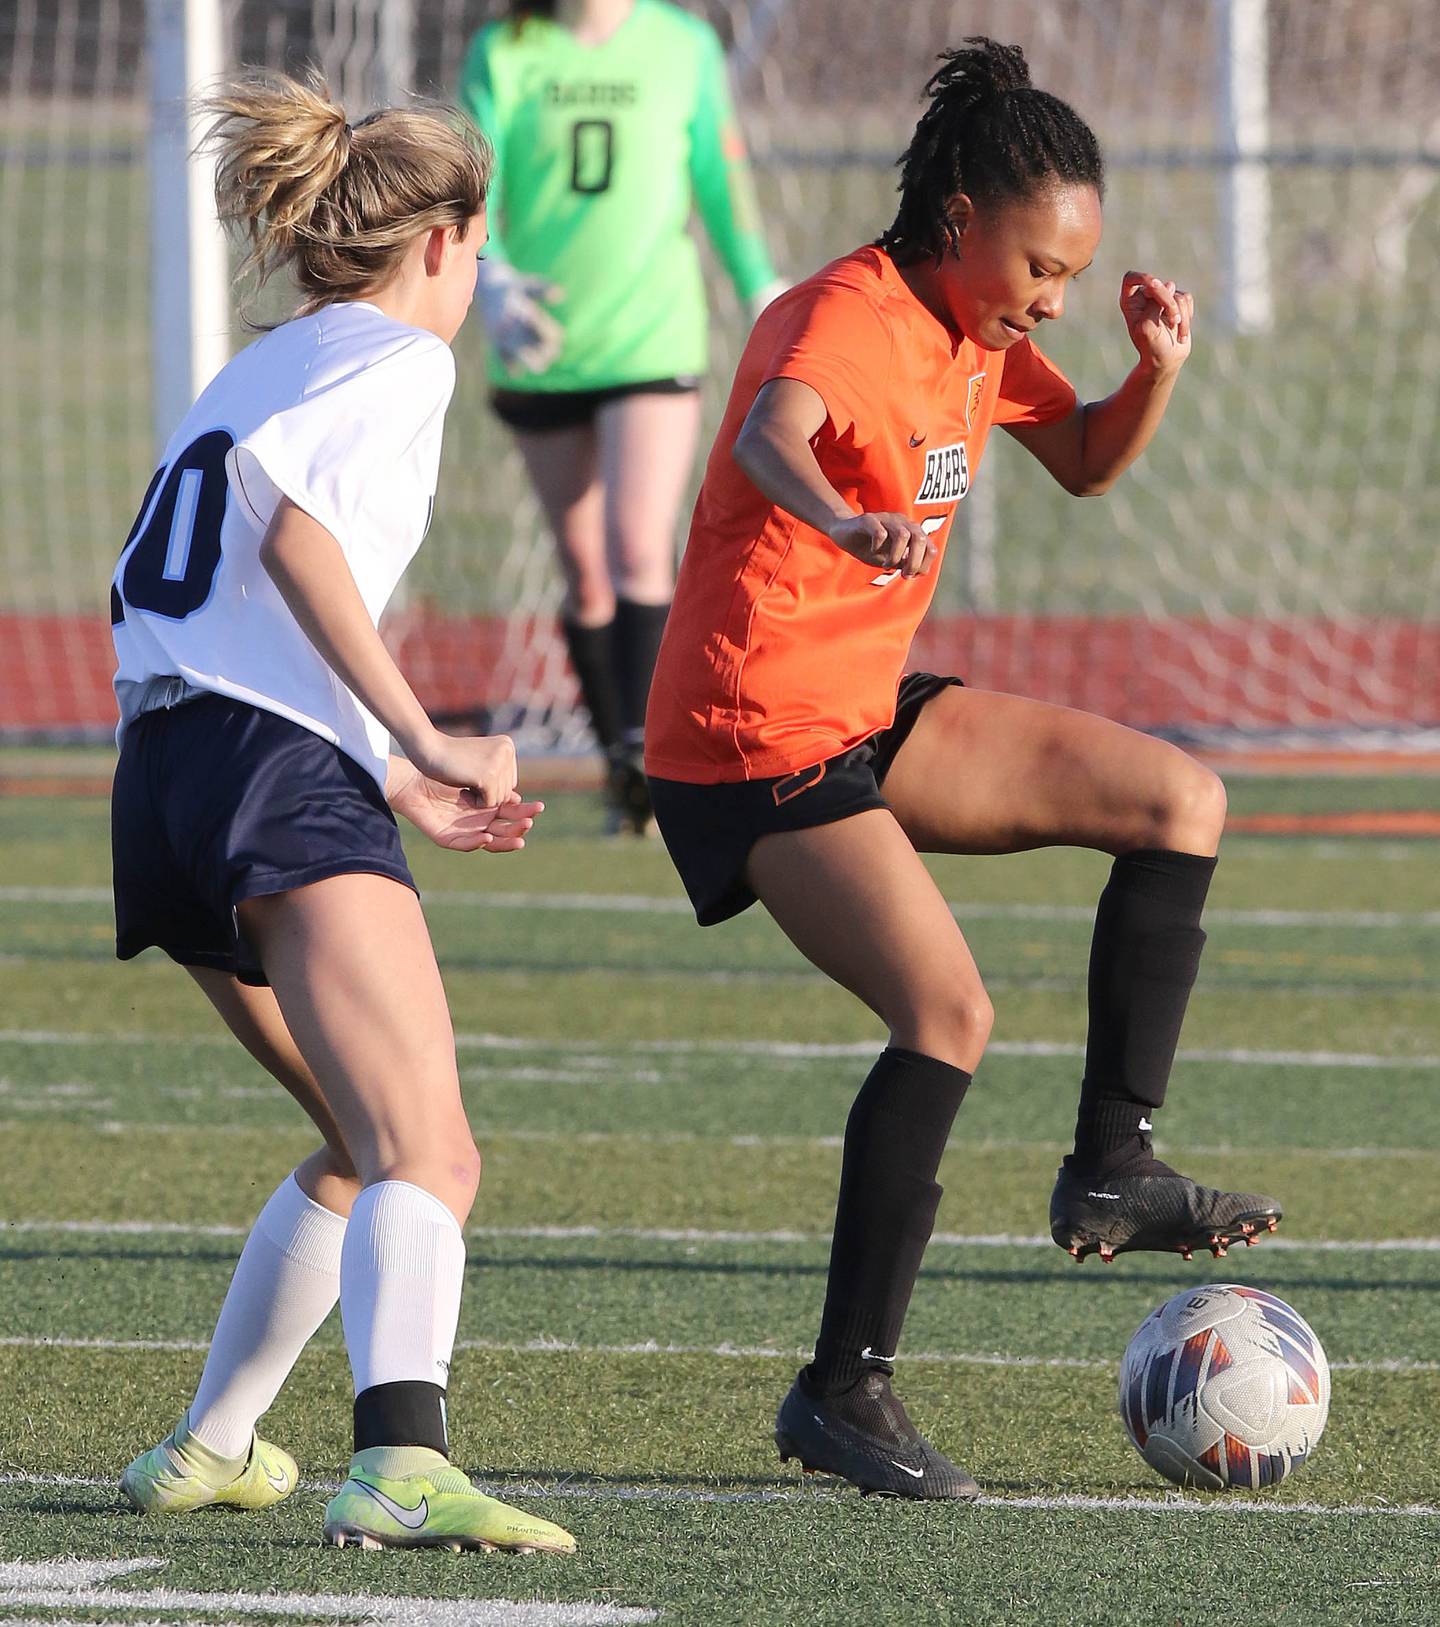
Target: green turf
[(634, 943), (615, 1069), (974, 1300), (642, 1087), (572, 1430)]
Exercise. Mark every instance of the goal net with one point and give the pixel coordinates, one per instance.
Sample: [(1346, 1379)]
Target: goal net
[(1267, 573)]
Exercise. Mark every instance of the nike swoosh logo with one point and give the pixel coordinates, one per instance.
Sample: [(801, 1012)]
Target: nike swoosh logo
[(867, 1354), (915, 1474), (884, 579), (279, 1482), (411, 1518)]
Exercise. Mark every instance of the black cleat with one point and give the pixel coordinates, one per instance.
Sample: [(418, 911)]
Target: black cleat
[(864, 1436), (1149, 1206), (627, 794)]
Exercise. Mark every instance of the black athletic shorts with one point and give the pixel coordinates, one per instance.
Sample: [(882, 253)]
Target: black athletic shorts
[(216, 801), (571, 409), (710, 829)]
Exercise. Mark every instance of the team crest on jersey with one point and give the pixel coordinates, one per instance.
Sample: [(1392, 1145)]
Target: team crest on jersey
[(947, 475), (974, 395)]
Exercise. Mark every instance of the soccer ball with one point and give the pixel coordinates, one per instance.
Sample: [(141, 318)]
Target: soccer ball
[(1224, 1386)]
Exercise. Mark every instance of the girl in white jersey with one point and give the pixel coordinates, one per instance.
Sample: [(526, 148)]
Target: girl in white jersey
[(252, 837)]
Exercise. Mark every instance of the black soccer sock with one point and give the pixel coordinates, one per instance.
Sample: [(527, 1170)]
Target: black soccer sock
[(592, 656), (638, 631), (409, 1412), (894, 1137), (1144, 957)]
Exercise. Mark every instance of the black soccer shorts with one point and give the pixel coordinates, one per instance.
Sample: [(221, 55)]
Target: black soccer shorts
[(710, 829), (216, 801)]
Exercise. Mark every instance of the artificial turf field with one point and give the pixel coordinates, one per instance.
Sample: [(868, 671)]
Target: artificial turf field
[(660, 1108)]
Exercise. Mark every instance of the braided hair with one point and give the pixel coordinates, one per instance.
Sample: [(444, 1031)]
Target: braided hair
[(988, 132)]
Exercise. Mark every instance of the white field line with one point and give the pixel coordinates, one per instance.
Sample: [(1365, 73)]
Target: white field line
[(662, 904), (692, 1138), (544, 1346), (69, 1584), (981, 1144), (784, 1050), (675, 1138), (1160, 1503), (695, 1235)]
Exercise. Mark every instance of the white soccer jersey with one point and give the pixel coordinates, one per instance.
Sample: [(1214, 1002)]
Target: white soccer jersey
[(342, 413)]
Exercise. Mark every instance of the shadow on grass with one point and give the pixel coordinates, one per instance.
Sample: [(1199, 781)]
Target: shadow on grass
[(566, 1479), (541, 1481), (1062, 1273)]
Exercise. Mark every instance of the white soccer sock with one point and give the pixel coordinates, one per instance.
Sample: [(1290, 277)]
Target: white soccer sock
[(284, 1287), (401, 1272)]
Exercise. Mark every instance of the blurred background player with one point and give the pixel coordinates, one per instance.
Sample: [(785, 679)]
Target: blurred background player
[(252, 837), (791, 762), (608, 117)]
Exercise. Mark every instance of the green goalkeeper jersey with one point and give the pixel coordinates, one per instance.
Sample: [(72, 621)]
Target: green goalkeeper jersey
[(599, 152)]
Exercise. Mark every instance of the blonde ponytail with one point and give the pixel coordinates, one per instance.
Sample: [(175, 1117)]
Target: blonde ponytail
[(338, 206)]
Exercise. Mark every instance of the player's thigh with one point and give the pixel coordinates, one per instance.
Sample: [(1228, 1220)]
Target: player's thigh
[(647, 450), (253, 1015), (354, 973), (564, 470), (983, 772), (855, 898)]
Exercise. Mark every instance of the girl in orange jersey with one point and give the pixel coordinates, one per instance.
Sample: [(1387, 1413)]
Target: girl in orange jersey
[(789, 760)]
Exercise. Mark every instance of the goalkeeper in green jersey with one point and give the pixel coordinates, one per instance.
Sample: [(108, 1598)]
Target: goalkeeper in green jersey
[(608, 119)]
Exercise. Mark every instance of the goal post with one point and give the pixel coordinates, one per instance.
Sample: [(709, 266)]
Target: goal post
[(1242, 45), (190, 313)]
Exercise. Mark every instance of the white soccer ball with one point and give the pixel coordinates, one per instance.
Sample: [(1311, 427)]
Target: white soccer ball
[(1224, 1386)]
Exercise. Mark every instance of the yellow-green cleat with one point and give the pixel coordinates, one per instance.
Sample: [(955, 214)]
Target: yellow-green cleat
[(413, 1497), (182, 1473)]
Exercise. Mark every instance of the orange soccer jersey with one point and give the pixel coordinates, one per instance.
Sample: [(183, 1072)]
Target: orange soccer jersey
[(781, 649)]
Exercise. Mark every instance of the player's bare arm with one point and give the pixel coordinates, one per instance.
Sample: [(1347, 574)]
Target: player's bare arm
[(773, 448), (453, 816), (1089, 451), (308, 566)]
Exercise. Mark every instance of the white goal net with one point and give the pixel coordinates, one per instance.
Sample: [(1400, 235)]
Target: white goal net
[(1268, 572)]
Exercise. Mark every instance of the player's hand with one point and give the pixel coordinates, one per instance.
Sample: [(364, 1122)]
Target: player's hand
[(512, 305), (891, 541), (1159, 317), (484, 764), (454, 816)]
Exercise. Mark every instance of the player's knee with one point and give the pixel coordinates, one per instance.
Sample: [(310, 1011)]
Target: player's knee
[(440, 1157), (335, 1164), (976, 1018), (953, 1025), (328, 1177), (645, 582), (590, 599), (642, 563), (1191, 816), (457, 1164)]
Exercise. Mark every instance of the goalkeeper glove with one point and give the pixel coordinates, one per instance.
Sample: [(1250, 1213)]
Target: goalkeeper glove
[(525, 335)]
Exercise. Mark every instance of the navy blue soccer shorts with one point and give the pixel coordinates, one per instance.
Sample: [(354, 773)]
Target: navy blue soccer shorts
[(710, 829), (216, 801)]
